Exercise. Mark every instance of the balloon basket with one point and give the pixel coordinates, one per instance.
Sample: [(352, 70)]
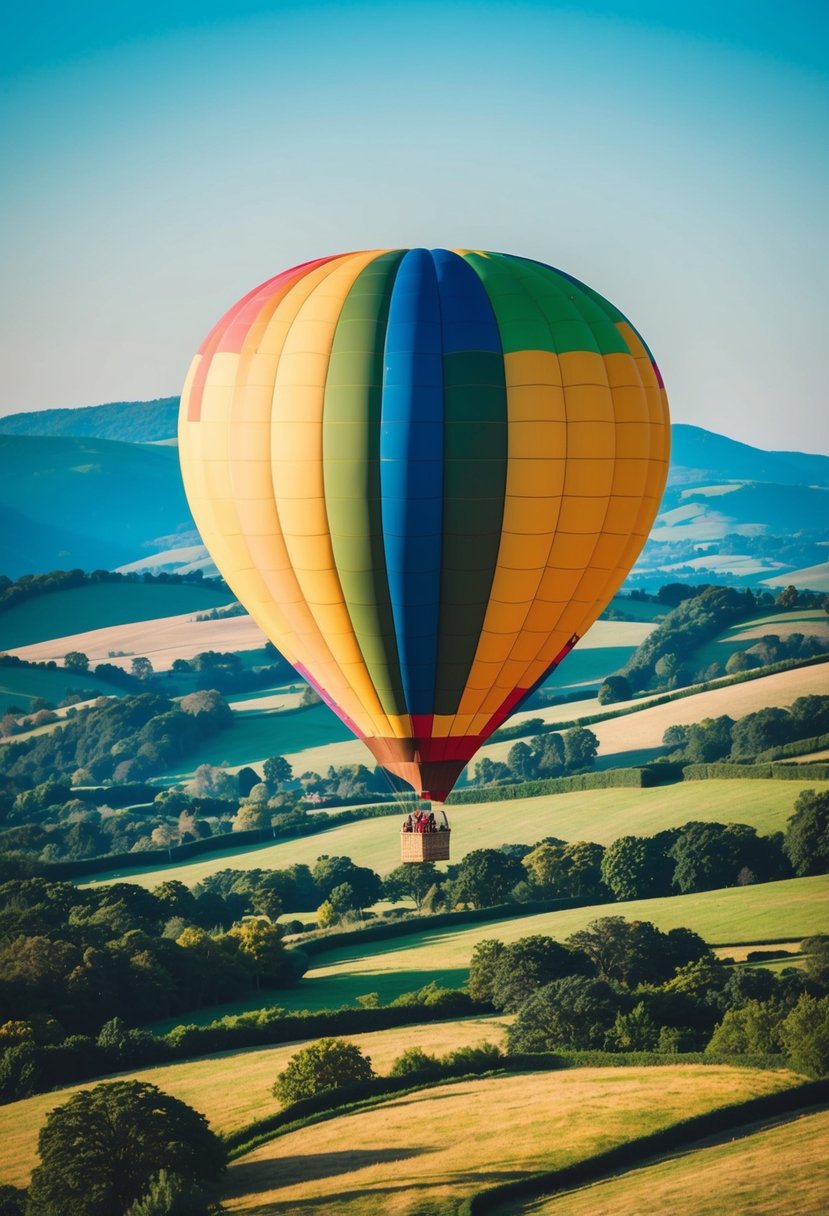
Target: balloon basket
[(424, 846)]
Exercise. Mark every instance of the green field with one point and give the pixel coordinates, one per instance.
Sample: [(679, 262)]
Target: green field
[(81, 609), (22, 685), (740, 637), (255, 736), (233, 1088), (638, 610), (588, 667), (597, 815), (775, 1171), (422, 1153), (792, 909)]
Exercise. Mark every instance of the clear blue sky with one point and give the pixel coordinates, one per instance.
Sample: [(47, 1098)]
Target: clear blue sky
[(160, 160)]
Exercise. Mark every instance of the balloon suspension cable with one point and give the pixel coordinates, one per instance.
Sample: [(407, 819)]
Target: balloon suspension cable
[(406, 800)]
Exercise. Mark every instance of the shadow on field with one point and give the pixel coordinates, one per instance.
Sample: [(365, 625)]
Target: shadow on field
[(288, 1171), (346, 985), (248, 1177), (630, 759)]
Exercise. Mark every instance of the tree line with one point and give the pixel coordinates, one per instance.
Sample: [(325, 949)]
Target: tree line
[(665, 660), (745, 739), (29, 586), (622, 985)]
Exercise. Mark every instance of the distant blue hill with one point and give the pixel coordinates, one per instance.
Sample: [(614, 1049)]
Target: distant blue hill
[(699, 456), (96, 488), (128, 421), (702, 456), (67, 502)]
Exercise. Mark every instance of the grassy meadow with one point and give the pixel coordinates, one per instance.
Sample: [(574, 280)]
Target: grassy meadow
[(637, 737), (22, 685), (790, 910), (233, 1088), (604, 649), (423, 1152), (257, 735), (774, 1171), (598, 815), (807, 621), (99, 606)]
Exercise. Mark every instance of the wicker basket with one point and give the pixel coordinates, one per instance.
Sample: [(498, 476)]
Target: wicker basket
[(424, 846)]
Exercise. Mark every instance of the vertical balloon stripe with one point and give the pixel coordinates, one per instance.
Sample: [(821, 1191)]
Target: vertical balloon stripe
[(599, 314), (411, 472), (299, 396), (474, 471), (227, 336), (536, 445), (233, 508), (351, 463), (576, 571)]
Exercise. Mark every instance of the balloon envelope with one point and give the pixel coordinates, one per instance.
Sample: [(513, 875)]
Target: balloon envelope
[(424, 473)]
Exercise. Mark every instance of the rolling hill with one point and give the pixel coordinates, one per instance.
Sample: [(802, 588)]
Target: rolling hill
[(703, 456), (87, 503), (128, 421), (100, 487)]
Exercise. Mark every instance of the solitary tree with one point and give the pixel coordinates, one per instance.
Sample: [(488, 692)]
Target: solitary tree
[(328, 1064), (614, 688), (76, 660), (100, 1150), (276, 772), (142, 668)]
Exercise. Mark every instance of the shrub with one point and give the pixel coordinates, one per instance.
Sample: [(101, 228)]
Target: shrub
[(327, 1064), (415, 1060), (478, 1058)]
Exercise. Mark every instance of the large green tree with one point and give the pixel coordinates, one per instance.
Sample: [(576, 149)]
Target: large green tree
[(806, 843), (412, 882), (575, 1013), (331, 872), (100, 1150), (639, 867), (805, 1036), (567, 870), (486, 877), (580, 748), (711, 855), (636, 952), (529, 964)]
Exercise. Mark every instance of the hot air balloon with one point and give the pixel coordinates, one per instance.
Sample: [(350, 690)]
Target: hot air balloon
[(424, 473)]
